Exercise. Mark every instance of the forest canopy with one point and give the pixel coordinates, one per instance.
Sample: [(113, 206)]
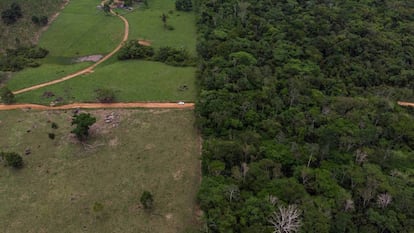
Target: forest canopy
[(299, 115)]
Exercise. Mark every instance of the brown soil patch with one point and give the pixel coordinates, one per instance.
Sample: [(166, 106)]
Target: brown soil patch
[(144, 42), (178, 174), (113, 142)]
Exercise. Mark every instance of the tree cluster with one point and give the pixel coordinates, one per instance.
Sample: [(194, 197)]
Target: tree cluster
[(18, 59), (40, 20), (298, 108), (12, 14), (12, 159), (82, 121), (183, 5), (168, 55)]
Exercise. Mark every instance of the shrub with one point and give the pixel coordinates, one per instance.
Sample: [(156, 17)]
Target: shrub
[(51, 135), (105, 95), (175, 57), (54, 125), (6, 96), (13, 159), (133, 50), (10, 16), (183, 5), (147, 200)]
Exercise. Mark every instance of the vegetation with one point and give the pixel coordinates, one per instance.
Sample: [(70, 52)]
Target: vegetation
[(183, 5), (82, 121), (17, 59), (11, 15), (113, 168), (105, 95), (299, 117), (6, 96), (147, 200), (40, 21), (12, 159), (133, 50)]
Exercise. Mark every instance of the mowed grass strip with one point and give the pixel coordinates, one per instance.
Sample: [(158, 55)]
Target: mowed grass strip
[(82, 29), (131, 80), (154, 150), (146, 23)]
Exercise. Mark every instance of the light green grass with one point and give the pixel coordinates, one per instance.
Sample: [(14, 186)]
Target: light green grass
[(146, 23), (131, 80), (153, 150), (82, 29), (47, 72)]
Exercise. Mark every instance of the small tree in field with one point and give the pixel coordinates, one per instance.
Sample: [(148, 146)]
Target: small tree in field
[(82, 121), (105, 95), (12, 159), (147, 200)]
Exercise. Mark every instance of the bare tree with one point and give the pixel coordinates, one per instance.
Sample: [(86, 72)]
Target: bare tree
[(349, 205), (383, 200), (273, 199), (360, 157), (232, 192), (286, 220)]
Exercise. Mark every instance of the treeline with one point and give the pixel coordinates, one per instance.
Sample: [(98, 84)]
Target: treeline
[(18, 59), (168, 55), (297, 117)]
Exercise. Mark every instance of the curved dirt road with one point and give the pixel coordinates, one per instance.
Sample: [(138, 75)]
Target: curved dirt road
[(99, 105), (86, 70)]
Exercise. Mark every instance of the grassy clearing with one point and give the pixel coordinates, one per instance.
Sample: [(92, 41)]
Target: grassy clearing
[(47, 72), (82, 29), (132, 81), (23, 31), (146, 23), (152, 150)]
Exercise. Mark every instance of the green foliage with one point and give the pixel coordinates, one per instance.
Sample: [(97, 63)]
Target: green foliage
[(296, 108), (17, 59), (54, 125), (51, 135), (12, 159), (40, 21), (133, 50), (105, 95), (175, 57), (183, 5), (6, 96), (11, 15), (147, 200), (82, 121)]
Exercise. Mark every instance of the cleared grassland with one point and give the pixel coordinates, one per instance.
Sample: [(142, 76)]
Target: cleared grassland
[(146, 23), (82, 29), (131, 81), (155, 150)]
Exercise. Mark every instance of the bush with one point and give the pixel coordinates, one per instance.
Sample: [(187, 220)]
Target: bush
[(6, 96), (105, 95), (133, 50), (175, 57), (183, 5), (12, 159), (51, 135), (146, 200), (17, 59), (10, 16), (54, 125)]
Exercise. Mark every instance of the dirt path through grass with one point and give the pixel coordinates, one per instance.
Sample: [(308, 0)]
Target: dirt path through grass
[(86, 70), (407, 104), (99, 105)]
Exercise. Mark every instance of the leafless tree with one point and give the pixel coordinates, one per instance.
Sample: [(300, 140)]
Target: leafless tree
[(286, 220), (360, 157), (273, 199), (232, 192), (383, 200), (349, 205)]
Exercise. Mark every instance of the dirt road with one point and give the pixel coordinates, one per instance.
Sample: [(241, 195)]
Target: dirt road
[(99, 105), (407, 104), (86, 70)]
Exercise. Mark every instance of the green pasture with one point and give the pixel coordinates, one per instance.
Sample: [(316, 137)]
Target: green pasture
[(145, 23), (82, 29), (62, 179), (131, 80)]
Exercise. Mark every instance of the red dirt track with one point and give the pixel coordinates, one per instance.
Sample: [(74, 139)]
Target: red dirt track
[(99, 105)]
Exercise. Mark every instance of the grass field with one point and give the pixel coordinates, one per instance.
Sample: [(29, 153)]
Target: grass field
[(146, 23), (131, 80), (155, 150), (82, 29), (23, 31)]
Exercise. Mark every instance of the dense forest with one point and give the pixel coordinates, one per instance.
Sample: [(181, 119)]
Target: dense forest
[(299, 116)]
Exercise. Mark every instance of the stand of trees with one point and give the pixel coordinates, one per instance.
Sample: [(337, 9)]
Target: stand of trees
[(11, 15), (18, 59), (299, 117)]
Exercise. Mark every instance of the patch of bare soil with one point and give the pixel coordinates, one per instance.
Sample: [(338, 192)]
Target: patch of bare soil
[(92, 58), (144, 42)]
